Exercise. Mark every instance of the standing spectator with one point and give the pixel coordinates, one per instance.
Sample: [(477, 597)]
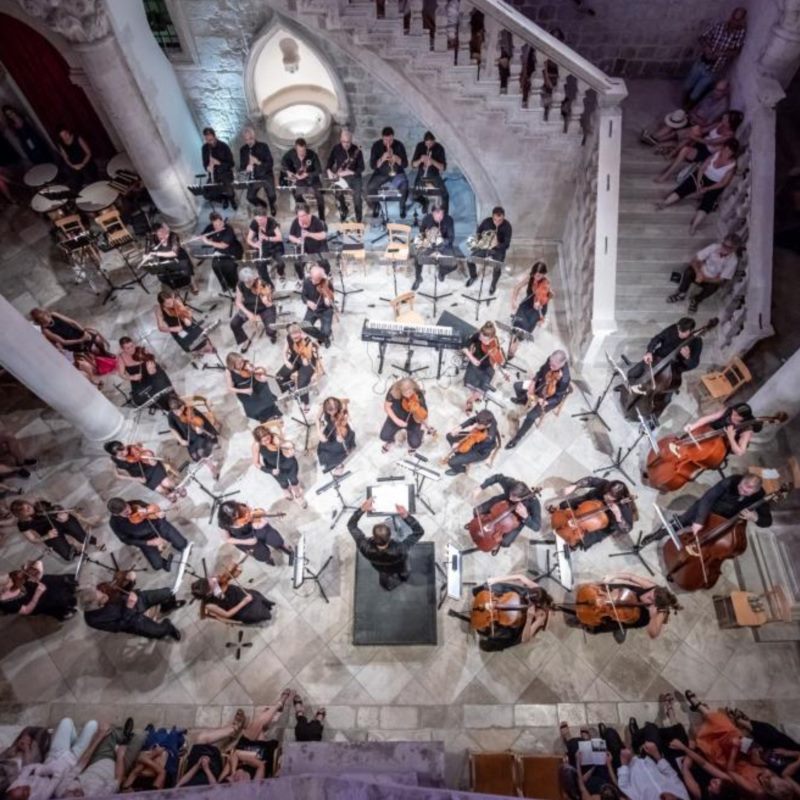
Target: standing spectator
[(36, 149)]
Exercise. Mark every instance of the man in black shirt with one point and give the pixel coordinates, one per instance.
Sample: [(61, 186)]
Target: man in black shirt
[(388, 160), (255, 159), (484, 425), (302, 169), (126, 612), (228, 250), (264, 236), (218, 163), (501, 227), (319, 308), (526, 506), (311, 237), (430, 162), (346, 163), (437, 233), (388, 556), (553, 376), (149, 535)]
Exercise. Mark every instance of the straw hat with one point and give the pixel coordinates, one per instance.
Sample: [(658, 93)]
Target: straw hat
[(676, 119)]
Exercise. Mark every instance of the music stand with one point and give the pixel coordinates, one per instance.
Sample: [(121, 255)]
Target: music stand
[(220, 363), (634, 551), (485, 262), (421, 474), (216, 499), (438, 260), (406, 366), (295, 394), (552, 566), (646, 428), (382, 198), (344, 291), (335, 484), (302, 571)]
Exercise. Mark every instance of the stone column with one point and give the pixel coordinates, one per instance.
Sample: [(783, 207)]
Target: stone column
[(780, 392), (781, 56), (32, 360)]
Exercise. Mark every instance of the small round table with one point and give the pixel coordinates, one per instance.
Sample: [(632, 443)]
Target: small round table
[(40, 175), (96, 197), (119, 162), (43, 204)]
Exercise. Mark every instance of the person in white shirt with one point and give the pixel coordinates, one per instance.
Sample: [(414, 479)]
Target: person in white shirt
[(710, 268), (649, 777), (100, 768)]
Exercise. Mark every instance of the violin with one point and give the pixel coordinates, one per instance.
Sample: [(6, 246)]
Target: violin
[(572, 524), (245, 515), (541, 291), (188, 416), (137, 454), (325, 291), (228, 575), (681, 459), (487, 530), (248, 370), (180, 310), (144, 513), (28, 573), (698, 562), (121, 584), (509, 610), (142, 355), (595, 608), (413, 406), (547, 389), (494, 353), (305, 349)]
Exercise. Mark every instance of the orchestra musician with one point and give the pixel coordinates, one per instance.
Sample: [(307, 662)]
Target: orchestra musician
[(255, 159), (229, 601), (474, 440), (253, 302), (134, 462), (517, 609), (144, 525), (430, 162), (302, 170), (437, 234), (195, 430), (388, 556), (526, 506), (176, 318), (147, 378), (60, 530), (728, 419), (388, 161), (531, 310), (219, 164), (346, 163), (619, 603), (588, 523), (336, 438), (251, 385), (28, 591), (541, 392), (249, 530), (221, 238), (311, 236), (405, 409), (483, 352), (165, 246), (318, 295), (301, 362), (275, 456), (495, 232), (264, 236)]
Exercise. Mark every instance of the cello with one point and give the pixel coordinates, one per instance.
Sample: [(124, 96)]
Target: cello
[(487, 530), (507, 609), (595, 607), (572, 524), (697, 564), (681, 459), (650, 396)]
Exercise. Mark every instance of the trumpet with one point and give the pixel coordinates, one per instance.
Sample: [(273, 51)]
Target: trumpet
[(486, 241), (392, 165)]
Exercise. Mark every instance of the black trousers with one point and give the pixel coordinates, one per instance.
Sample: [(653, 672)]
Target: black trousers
[(146, 627), (496, 270), (661, 737), (316, 187), (61, 546), (325, 318), (600, 774), (267, 317), (706, 289), (438, 182), (166, 530), (227, 271), (357, 187), (425, 257), (459, 461), (533, 415), (253, 194), (391, 580), (414, 432), (306, 730), (378, 179), (304, 372), (268, 538)]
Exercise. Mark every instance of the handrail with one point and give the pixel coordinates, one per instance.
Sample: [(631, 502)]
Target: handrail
[(612, 89)]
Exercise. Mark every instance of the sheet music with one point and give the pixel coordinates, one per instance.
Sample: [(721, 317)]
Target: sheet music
[(564, 564), (389, 494), (454, 572)]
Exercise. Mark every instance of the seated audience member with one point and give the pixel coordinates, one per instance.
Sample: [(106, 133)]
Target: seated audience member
[(29, 592), (204, 762), (306, 730), (661, 736), (156, 766), (598, 781), (710, 269), (30, 747), (649, 776), (13, 462), (253, 754)]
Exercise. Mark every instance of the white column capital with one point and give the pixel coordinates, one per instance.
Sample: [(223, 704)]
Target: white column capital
[(78, 21)]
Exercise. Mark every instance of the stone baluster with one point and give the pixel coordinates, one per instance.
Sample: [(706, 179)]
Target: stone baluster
[(416, 18), (537, 83), (514, 86), (440, 38), (577, 106), (391, 9), (464, 35), (559, 94), (489, 52)]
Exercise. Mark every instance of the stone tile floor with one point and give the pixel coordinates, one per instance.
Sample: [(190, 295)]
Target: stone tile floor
[(452, 691)]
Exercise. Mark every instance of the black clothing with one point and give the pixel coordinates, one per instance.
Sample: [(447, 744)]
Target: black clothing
[(255, 305), (378, 149), (437, 154), (199, 445), (332, 452), (41, 526), (288, 468), (153, 474), (532, 506), (707, 288), (35, 147), (260, 405), (259, 609), (118, 618), (311, 246), (447, 231), (59, 599), (267, 537), (664, 343), (291, 162), (215, 765), (596, 488), (430, 177), (137, 535), (414, 430), (479, 452), (148, 385), (380, 175), (262, 171), (270, 250), (76, 179), (478, 376), (497, 253), (351, 159), (67, 330), (600, 774), (724, 500), (708, 201), (298, 375), (223, 262), (176, 273), (190, 337), (527, 316), (322, 313), (661, 737), (307, 730), (222, 174), (391, 562), (540, 382)]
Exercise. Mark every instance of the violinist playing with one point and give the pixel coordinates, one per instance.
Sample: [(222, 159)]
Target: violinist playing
[(221, 597), (176, 319), (318, 296), (336, 438), (508, 610), (61, 530), (144, 525), (605, 507), (484, 353), (474, 440), (28, 591), (275, 456), (541, 392), (406, 410), (134, 462), (249, 530), (195, 430), (531, 310), (250, 384), (523, 499), (254, 303), (621, 602), (139, 367), (301, 362)]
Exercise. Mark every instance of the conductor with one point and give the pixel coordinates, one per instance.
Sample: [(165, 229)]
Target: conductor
[(388, 556)]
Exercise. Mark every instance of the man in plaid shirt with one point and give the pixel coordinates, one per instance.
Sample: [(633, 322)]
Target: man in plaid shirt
[(720, 43)]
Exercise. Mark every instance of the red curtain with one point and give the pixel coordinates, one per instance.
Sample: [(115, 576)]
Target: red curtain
[(43, 77)]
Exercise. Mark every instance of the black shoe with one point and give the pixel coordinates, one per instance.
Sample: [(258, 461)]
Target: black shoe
[(403, 213), (174, 633), (273, 211), (23, 473), (619, 635), (30, 462), (511, 444), (602, 730), (633, 727), (442, 276), (375, 211), (452, 472), (493, 288), (417, 283), (224, 203), (518, 401), (326, 343), (167, 563), (471, 280), (127, 731), (290, 556)]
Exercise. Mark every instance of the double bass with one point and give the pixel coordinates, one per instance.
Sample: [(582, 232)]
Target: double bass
[(506, 609), (595, 607), (650, 396), (681, 459), (572, 524), (697, 564), (487, 530)]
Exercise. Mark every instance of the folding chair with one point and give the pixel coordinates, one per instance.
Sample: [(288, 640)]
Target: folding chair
[(493, 773), (721, 385)]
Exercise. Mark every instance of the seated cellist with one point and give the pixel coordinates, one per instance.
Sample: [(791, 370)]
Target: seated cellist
[(527, 508), (729, 419)]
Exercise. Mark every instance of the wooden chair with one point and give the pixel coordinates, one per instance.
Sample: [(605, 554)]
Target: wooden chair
[(353, 244), (493, 773), (118, 236), (721, 385), (539, 776), (399, 244), (751, 610), (403, 307)]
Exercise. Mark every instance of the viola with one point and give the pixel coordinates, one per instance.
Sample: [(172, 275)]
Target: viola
[(247, 370), (471, 439), (572, 524), (304, 348), (28, 573), (487, 530), (541, 292), (144, 513), (121, 584), (595, 608), (698, 563), (245, 515), (138, 454), (494, 353), (179, 310), (413, 406), (681, 459), (227, 575), (263, 291), (188, 416), (489, 609), (142, 355)]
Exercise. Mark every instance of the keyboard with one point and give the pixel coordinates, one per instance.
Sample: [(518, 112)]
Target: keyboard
[(439, 336)]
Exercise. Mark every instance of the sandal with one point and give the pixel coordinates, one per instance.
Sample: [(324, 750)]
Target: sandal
[(692, 306), (691, 699), (385, 448), (321, 714), (297, 703), (676, 298), (239, 720)]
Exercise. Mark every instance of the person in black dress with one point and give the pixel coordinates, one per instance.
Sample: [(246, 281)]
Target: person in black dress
[(317, 294), (501, 227), (195, 430), (737, 439), (305, 729), (430, 162), (255, 160), (218, 164), (177, 269), (36, 149), (310, 237), (275, 456), (233, 603), (346, 163), (43, 523), (251, 385), (133, 463), (437, 233), (336, 438), (30, 592), (253, 303), (264, 236), (531, 309), (250, 531), (522, 497), (177, 319), (482, 349), (221, 237), (477, 436), (301, 168), (301, 362), (142, 371), (388, 161), (402, 394), (79, 168)]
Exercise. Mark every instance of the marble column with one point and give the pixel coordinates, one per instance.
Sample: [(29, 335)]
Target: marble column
[(781, 56), (33, 361), (780, 392)]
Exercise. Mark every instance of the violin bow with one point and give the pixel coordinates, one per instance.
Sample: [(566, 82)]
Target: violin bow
[(614, 607)]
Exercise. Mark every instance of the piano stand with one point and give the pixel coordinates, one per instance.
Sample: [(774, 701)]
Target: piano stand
[(407, 368)]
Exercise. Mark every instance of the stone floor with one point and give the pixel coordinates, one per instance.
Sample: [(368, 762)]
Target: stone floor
[(452, 691)]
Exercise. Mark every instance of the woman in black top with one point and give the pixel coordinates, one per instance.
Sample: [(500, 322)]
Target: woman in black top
[(336, 438), (30, 140), (727, 420), (199, 439), (480, 350), (29, 592), (232, 603), (222, 238), (150, 472), (264, 236), (144, 374), (402, 393), (250, 384), (43, 523), (301, 362), (479, 437), (176, 319), (275, 456), (249, 530), (165, 246), (77, 157)]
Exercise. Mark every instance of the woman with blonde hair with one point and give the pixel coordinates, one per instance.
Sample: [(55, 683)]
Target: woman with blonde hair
[(406, 410)]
